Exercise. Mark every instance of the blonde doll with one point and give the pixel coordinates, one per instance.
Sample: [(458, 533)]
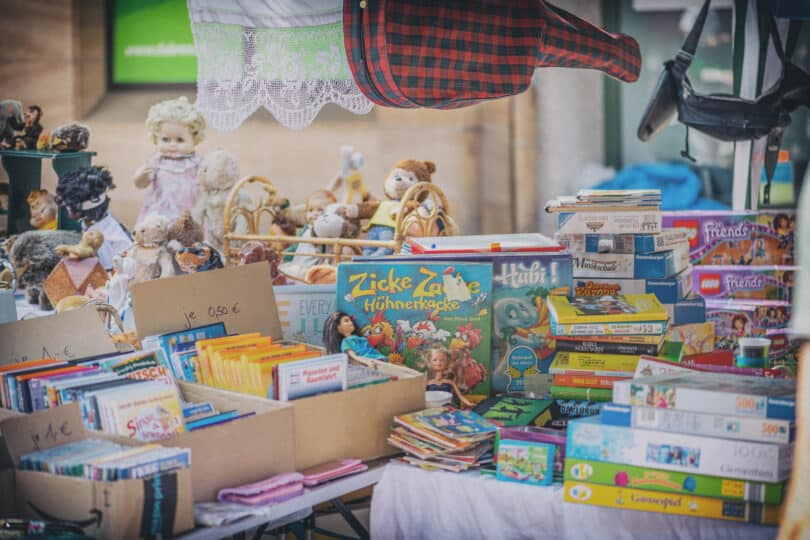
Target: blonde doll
[(170, 178)]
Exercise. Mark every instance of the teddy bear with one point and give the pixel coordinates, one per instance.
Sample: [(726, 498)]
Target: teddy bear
[(91, 241), (216, 176), (33, 254), (44, 211), (382, 214), (151, 256), (254, 251)]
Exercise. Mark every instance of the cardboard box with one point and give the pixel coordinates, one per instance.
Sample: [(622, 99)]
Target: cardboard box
[(125, 509), (355, 423)]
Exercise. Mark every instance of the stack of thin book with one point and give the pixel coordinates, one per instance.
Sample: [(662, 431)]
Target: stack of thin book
[(443, 438), (607, 200)]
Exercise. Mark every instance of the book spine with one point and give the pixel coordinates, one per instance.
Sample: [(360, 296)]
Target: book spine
[(650, 328), (594, 381), (590, 439), (581, 394), (595, 472), (623, 375), (666, 240), (602, 362), (571, 409), (744, 428), (673, 504), (594, 347), (696, 399)]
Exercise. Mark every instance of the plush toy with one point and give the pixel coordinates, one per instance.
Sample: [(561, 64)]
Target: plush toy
[(152, 258), (70, 138), (170, 178), (85, 194), (216, 176), (382, 214), (11, 121), (44, 210), (198, 257), (254, 251), (88, 247), (33, 254), (44, 141), (28, 137)]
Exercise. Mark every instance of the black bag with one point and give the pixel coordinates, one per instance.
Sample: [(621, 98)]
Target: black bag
[(722, 116)]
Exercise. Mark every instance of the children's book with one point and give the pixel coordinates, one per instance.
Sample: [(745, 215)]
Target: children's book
[(305, 378), (302, 310), (148, 411), (608, 308), (173, 341), (405, 309), (456, 423)]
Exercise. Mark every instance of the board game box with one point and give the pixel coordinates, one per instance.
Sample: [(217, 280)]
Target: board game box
[(660, 265), (669, 290)]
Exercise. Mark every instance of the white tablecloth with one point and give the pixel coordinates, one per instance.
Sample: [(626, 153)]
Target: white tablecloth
[(411, 503)]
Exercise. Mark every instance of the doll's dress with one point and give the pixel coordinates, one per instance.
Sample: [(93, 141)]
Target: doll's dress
[(361, 347), (441, 387), (172, 186)]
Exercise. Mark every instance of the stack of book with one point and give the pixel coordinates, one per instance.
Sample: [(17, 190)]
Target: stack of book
[(698, 444), (443, 438), (599, 341)]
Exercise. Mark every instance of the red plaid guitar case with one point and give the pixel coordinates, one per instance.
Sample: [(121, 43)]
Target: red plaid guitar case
[(455, 53)]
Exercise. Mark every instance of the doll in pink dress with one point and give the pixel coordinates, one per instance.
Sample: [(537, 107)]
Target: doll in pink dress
[(170, 178)]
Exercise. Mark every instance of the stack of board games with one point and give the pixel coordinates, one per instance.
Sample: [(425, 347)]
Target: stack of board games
[(106, 461), (689, 443), (743, 267), (599, 341), (525, 271), (443, 439)]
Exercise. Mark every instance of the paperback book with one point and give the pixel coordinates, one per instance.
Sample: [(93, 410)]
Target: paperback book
[(606, 309), (306, 378), (508, 410)]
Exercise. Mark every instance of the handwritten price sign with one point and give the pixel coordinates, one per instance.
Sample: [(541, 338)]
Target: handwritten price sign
[(241, 297)]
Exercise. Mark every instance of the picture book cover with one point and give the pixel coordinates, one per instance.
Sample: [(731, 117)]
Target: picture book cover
[(455, 423), (173, 342), (526, 462), (305, 378), (147, 412), (406, 309), (517, 411), (608, 308), (302, 310)]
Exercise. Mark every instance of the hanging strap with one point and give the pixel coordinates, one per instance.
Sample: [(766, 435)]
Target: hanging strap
[(683, 59)]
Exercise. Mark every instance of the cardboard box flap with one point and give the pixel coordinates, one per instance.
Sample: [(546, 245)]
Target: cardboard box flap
[(78, 333), (42, 430), (239, 296), (225, 400)]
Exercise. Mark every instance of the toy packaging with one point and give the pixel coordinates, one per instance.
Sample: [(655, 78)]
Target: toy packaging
[(596, 472), (589, 438), (744, 282), (526, 462), (659, 265), (668, 290), (735, 319), (666, 240), (775, 237)]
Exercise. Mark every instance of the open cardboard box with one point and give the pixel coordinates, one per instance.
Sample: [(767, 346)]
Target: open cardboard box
[(124, 509), (354, 423)]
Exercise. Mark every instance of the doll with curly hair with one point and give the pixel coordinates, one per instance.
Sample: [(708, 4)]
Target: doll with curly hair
[(84, 193), (170, 178)]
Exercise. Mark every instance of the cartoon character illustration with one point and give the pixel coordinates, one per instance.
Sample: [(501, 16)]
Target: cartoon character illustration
[(380, 333), (340, 335), (739, 325), (455, 288), (513, 315), (421, 333), (465, 339)]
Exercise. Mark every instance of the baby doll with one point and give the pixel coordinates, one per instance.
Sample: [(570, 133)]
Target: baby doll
[(85, 194), (11, 121), (44, 211), (29, 136), (306, 254), (340, 335), (383, 214), (170, 178)]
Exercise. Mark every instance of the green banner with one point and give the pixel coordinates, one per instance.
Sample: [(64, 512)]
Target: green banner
[(152, 42)]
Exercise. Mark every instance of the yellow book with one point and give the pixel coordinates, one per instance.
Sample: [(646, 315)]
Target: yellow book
[(220, 367), (606, 309), (230, 363), (594, 362), (671, 503), (253, 360), (205, 373)]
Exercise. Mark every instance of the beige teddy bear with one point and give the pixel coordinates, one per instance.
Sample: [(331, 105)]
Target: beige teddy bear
[(152, 258), (217, 175)]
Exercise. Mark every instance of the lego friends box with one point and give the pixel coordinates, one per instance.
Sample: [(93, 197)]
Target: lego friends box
[(407, 309)]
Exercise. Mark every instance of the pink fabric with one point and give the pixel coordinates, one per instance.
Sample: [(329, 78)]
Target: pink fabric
[(266, 492), (172, 187), (336, 469)]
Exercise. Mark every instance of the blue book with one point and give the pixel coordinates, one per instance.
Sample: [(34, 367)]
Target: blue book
[(213, 419), (175, 341), (687, 311)]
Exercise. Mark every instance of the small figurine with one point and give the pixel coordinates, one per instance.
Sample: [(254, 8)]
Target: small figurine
[(198, 257), (170, 178), (11, 121), (33, 254), (216, 176), (27, 139), (70, 138), (44, 210), (382, 214), (118, 285), (350, 176), (340, 335), (85, 194), (306, 254), (442, 376), (88, 247), (44, 141), (152, 258)]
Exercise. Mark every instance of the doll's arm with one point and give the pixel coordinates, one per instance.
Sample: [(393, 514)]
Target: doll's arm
[(143, 176), (461, 399)]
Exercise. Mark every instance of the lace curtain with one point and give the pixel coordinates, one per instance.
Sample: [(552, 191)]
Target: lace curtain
[(284, 55)]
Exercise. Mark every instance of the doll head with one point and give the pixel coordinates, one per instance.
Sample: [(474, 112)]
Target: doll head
[(176, 127), (43, 208), (84, 193), (738, 323), (405, 174), (439, 361), (10, 109), (338, 325), (317, 203), (33, 115)]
